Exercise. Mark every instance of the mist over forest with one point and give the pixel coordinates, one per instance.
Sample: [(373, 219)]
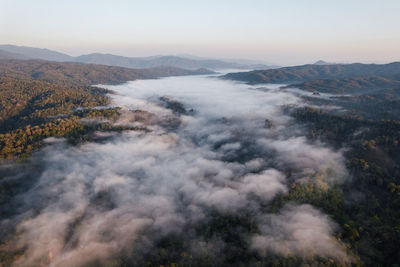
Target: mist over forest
[(199, 133), (192, 169)]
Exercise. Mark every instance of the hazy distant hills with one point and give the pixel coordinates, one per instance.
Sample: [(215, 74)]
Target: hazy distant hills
[(317, 72), (185, 62), (35, 53), (10, 55), (173, 61)]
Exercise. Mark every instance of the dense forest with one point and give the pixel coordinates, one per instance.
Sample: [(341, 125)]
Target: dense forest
[(369, 205)]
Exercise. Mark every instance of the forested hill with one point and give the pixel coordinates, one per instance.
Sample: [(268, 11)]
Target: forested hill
[(313, 72), (85, 74), (40, 99), (352, 85)]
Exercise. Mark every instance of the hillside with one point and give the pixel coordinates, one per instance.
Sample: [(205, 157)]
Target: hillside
[(85, 74), (9, 55), (353, 85), (370, 91), (313, 72)]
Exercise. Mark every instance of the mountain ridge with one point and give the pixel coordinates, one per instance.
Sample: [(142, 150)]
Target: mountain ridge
[(351, 85), (36, 53), (24, 52), (304, 73)]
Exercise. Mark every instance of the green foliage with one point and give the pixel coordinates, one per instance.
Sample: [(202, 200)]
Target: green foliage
[(330, 199), (32, 110), (27, 101), (367, 205)]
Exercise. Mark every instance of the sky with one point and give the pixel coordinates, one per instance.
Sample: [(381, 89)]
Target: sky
[(282, 32)]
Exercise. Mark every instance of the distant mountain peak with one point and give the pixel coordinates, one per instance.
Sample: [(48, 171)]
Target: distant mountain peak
[(321, 62)]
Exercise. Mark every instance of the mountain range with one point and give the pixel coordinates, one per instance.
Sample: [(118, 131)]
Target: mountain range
[(182, 61)]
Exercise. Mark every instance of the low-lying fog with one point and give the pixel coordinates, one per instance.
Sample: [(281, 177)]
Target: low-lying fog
[(214, 145)]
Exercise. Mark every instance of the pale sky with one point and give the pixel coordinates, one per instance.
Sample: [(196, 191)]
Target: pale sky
[(277, 31)]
